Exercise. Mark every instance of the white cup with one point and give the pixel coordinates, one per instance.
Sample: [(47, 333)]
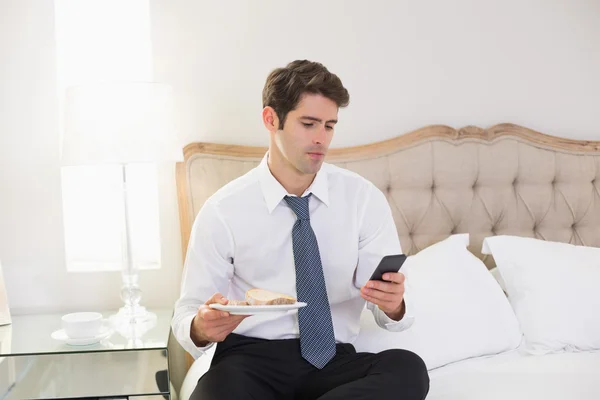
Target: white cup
[(82, 325)]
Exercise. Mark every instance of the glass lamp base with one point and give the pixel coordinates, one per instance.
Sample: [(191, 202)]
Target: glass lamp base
[(132, 323)]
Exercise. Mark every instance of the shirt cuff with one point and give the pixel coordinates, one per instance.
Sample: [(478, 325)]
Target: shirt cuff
[(188, 343), (389, 324)]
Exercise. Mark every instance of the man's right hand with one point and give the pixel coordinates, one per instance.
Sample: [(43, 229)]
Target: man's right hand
[(210, 325)]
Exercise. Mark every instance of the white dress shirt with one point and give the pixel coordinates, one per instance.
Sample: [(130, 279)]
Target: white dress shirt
[(242, 239)]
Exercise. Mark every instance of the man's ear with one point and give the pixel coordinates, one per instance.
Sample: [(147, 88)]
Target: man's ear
[(270, 119)]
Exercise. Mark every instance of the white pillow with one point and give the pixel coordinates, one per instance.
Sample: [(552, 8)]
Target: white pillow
[(496, 274), (553, 288), (460, 310)]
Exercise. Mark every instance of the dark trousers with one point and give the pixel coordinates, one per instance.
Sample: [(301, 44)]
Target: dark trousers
[(250, 368)]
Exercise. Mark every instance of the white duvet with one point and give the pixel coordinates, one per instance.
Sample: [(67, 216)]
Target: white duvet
[(513, 376), (508, 376)]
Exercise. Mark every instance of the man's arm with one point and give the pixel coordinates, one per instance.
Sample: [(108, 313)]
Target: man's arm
[(208, 269), (378, 237)]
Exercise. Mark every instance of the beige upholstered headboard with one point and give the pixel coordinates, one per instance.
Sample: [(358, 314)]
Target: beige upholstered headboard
[(502, 180), (438, 180)]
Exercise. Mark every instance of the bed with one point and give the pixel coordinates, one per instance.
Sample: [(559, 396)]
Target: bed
[(519, 377), (442, 182)]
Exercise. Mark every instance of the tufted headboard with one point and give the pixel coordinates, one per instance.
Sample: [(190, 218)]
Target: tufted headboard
[(438, 180)]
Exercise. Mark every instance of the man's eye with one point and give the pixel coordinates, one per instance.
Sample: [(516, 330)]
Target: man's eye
[(307, 125), (329, 127)]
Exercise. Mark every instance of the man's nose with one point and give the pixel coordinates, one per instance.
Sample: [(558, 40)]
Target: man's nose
[(320, 135)]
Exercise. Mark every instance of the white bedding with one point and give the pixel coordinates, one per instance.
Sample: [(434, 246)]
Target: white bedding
[(508, 376), (513, 376)]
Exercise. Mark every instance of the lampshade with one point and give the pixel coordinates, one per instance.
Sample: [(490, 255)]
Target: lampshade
[(121, 123)]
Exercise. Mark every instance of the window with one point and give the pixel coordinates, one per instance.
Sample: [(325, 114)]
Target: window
[(106, 40)]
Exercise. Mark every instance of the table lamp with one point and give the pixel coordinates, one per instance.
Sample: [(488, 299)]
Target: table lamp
[(121, 123)]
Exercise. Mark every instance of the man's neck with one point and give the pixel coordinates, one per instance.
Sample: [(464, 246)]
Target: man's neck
[(293, 181)]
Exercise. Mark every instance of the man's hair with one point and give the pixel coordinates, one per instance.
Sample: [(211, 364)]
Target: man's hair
[(285, 86)]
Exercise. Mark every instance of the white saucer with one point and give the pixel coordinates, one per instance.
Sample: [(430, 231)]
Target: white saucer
[(60, 335), (252, 310)]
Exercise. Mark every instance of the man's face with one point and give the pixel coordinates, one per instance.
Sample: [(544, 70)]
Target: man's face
[(307, 132)]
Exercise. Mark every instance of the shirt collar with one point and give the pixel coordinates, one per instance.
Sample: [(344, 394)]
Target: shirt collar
[(274, 192)]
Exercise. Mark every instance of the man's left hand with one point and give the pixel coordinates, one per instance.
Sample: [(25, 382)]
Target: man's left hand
[(388, 294)]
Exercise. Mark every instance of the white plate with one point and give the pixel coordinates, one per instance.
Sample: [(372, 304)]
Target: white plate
[(60, 335), (251, 310)]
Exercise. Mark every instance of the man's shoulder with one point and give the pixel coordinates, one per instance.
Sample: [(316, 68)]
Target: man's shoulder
[(236, 190)]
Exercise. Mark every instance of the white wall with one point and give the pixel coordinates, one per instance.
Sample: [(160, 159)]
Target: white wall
[(30, 219), (31, 226), (406, 63)]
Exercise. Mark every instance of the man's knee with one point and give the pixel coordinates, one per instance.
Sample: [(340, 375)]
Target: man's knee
[(216, 383), (400, 359), (408, 369)]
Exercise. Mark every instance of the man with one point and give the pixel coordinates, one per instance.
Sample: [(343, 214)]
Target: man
[(298, 226)]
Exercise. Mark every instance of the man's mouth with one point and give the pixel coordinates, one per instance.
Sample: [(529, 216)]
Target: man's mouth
[(315, 154)]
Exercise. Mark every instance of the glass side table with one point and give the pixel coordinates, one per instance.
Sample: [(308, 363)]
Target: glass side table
[(127, 363)]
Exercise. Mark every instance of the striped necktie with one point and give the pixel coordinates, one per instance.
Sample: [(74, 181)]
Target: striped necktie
[(317, 340)]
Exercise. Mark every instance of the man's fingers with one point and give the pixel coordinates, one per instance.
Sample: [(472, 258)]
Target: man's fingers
[(390, 277), (395, 277), (226, 321), (217, 298), (380, 296), (209, 314), (210, 323), (221, 331), (386, 287), (220, 325), (232, 324), (383, 304)]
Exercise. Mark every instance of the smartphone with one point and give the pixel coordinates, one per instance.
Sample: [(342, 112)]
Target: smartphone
[(391, 263)]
